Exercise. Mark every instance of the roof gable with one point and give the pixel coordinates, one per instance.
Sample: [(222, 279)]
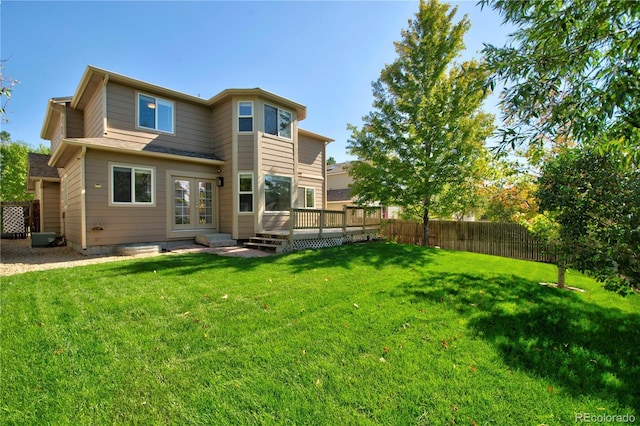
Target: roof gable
[(94, 75), (39, 169)]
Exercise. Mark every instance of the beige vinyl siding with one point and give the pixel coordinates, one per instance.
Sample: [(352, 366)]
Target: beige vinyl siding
[(275, 222), (277, 156), (310, 156), (192, 122), (58, 134), (246, 226), (129, 224), (50, 207), (311, 168), (75, 123), (94, 115), (73, 214), (246, 149), (221, 117)]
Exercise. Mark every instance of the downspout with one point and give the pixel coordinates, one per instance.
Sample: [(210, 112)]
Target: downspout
[(83, 200)]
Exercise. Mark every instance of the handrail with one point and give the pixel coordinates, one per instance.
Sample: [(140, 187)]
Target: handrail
[(323, 219)]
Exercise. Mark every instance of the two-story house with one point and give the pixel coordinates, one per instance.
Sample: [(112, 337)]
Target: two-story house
[(140, 163)]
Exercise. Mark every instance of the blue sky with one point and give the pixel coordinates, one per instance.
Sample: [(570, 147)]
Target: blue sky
[(321, 54)]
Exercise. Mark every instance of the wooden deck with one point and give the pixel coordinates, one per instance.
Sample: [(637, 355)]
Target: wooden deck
[(320, 228), (306, 234)]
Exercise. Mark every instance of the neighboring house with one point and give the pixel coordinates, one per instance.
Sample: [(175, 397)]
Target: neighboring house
[(339, 190), (140, 163)]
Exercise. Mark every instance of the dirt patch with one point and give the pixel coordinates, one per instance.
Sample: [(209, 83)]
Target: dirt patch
[(17, 256)]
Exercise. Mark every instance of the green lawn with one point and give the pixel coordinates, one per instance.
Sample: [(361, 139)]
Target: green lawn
[(363, 334)]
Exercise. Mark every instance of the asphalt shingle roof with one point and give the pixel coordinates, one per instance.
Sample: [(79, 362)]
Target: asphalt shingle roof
[(39, 167)]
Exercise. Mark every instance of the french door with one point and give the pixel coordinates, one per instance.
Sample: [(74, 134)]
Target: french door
[(193, 203)]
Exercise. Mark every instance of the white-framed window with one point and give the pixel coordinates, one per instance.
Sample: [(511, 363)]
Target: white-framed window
[(132, 185), (245, 116), (155, 113), (277, 121), (277, 193), (245, 192), (309, 198)]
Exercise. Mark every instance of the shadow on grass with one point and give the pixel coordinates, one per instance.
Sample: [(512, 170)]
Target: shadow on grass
[(552, 334), (373, 254), (376, 254)]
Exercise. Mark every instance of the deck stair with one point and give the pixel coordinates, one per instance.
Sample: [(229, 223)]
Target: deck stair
[(269, 242), (216, 240)]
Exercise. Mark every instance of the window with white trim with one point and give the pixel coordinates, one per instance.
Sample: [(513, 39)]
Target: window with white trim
[(277, 121), (245, 192), (277, 193), (245, 116), (132, 185), (309, 198), (155, 113)]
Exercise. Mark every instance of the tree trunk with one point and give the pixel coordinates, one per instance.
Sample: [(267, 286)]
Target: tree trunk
[(561, 269), (425, 223)]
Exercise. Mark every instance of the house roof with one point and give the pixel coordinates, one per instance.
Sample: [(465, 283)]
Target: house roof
[(334, 169), (92, 72), (338, 195), (314, 135), (94, 76), (149, 150), (39, 169)]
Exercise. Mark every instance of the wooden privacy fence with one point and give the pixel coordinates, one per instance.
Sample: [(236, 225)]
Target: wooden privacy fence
[(498, 239), (19, 218)]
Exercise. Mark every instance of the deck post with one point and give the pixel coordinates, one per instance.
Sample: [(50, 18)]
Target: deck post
[(292, 220), (321, 221)]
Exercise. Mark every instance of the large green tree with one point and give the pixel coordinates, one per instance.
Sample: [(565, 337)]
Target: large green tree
[(426, 129), (570, 70), (595, 197), (13, 168), (571, 76)]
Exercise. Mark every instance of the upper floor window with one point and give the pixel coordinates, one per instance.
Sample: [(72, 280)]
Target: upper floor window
[(155, 113), (245, 116), (277, 122), (132, 185)]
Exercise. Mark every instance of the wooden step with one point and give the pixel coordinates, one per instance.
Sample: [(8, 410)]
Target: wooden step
[(263, 247)]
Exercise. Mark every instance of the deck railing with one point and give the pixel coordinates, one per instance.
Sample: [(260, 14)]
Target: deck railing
[(348, 217)]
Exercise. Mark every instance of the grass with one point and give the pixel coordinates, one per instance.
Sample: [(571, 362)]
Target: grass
[(363, 334)]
